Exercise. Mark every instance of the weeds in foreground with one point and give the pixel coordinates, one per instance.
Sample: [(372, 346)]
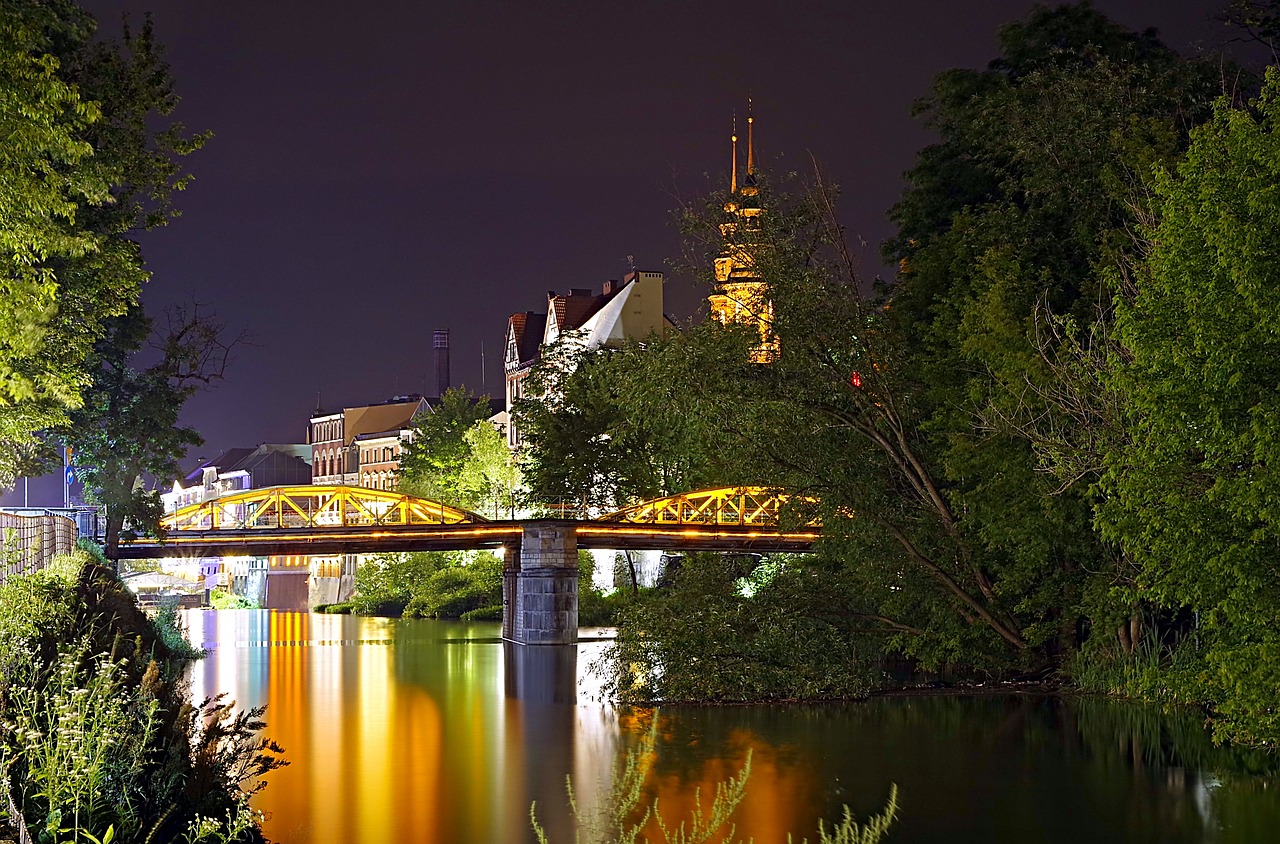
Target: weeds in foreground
[(99, 743), (620, 817)]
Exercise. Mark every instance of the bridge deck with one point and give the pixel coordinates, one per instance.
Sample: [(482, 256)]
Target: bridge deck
[(395, 538)]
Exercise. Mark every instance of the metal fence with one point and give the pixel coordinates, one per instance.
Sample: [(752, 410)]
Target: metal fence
[(29, 542)]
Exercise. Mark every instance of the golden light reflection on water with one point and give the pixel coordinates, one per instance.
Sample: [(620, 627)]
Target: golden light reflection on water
[(422, 731), (431, 732)]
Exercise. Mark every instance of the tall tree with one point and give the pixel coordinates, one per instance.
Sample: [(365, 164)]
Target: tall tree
[(1029, 198), (82, 167), (437, 452), (1192, 490), (127, 426)]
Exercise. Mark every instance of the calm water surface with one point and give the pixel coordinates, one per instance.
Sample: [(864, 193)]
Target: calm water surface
[(423, 731)]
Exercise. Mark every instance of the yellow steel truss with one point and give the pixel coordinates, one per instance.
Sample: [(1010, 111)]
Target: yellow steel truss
[(314, 507), (747, 506)]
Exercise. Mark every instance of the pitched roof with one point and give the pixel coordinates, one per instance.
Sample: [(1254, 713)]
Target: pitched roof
[(528, 328), (380, 418), (574, 308), (273, 458)]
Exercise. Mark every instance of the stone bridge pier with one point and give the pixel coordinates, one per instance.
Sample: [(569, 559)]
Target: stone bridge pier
[(540, 585)]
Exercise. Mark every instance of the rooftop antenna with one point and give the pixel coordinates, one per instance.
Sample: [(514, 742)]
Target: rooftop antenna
[(484, 384), (751, 145), (631, 262)]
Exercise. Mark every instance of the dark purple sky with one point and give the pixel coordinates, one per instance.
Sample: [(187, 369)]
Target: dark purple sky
[(383, 169)]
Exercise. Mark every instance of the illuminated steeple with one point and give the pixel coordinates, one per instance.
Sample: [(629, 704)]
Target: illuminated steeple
[(738, 296)]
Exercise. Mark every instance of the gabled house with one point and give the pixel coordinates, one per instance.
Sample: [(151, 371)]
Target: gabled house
[(628, 310)]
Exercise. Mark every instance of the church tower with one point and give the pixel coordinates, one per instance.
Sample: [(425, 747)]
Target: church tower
[(738, 296)]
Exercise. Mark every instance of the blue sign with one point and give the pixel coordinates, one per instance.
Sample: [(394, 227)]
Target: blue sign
[(71, 475)]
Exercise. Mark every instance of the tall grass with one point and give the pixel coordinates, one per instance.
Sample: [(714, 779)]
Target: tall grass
[(99, 741)]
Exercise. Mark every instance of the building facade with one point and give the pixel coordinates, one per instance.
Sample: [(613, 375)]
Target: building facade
[(362, 446), (628, 310)]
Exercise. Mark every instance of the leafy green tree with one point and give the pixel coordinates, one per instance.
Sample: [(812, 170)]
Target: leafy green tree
[(727, 629), (437, 452), (1192, 491), (489, 474), (83, 167), (605, 428), (430, 584), (1006, 235), (127, 428)]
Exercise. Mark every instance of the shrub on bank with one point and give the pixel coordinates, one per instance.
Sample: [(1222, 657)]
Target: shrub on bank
[(99, 736), (432, 584), (228, 601), (726, 629)]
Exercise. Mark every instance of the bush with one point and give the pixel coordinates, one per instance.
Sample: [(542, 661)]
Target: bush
[(716, 635), (428, 585), (173, 633), (230, 601), (452, 591), (102, 737)]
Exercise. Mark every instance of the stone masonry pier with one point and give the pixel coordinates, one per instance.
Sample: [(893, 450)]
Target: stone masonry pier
[(540, 585)]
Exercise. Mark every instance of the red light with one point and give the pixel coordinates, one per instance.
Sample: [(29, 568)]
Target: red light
[(855, 378)]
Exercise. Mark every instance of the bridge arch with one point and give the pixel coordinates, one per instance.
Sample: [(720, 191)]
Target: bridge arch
[(314, 506), (744, 506)]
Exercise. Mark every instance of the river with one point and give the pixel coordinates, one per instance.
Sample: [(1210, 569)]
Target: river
[(430, 732)]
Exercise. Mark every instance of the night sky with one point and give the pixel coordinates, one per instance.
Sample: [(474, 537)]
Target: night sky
[(379, 170)]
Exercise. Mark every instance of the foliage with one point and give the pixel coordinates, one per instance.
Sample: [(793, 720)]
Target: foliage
[(99, 738), (1190, 492), (127, 427), (428, 584), (604, 428), (84, 165), (618, 817), (1040, 176), (230, 601), (488, 475), (1149, 672), (435, 460), (706, 637), (173, 632)]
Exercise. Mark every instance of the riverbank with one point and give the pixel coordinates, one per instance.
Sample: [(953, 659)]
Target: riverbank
[(103, 740)]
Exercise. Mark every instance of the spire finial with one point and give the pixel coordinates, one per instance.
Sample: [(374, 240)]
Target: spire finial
[(751, 144), (733, 179)]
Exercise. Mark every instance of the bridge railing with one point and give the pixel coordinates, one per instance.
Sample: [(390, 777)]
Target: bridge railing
[(302, 507), (29, 542)]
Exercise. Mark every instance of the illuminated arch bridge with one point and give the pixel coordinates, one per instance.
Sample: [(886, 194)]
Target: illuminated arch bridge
[(540, 568), (317, 507), (321, 520)]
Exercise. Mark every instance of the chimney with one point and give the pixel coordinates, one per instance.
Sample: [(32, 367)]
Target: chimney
[(440, 343)]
